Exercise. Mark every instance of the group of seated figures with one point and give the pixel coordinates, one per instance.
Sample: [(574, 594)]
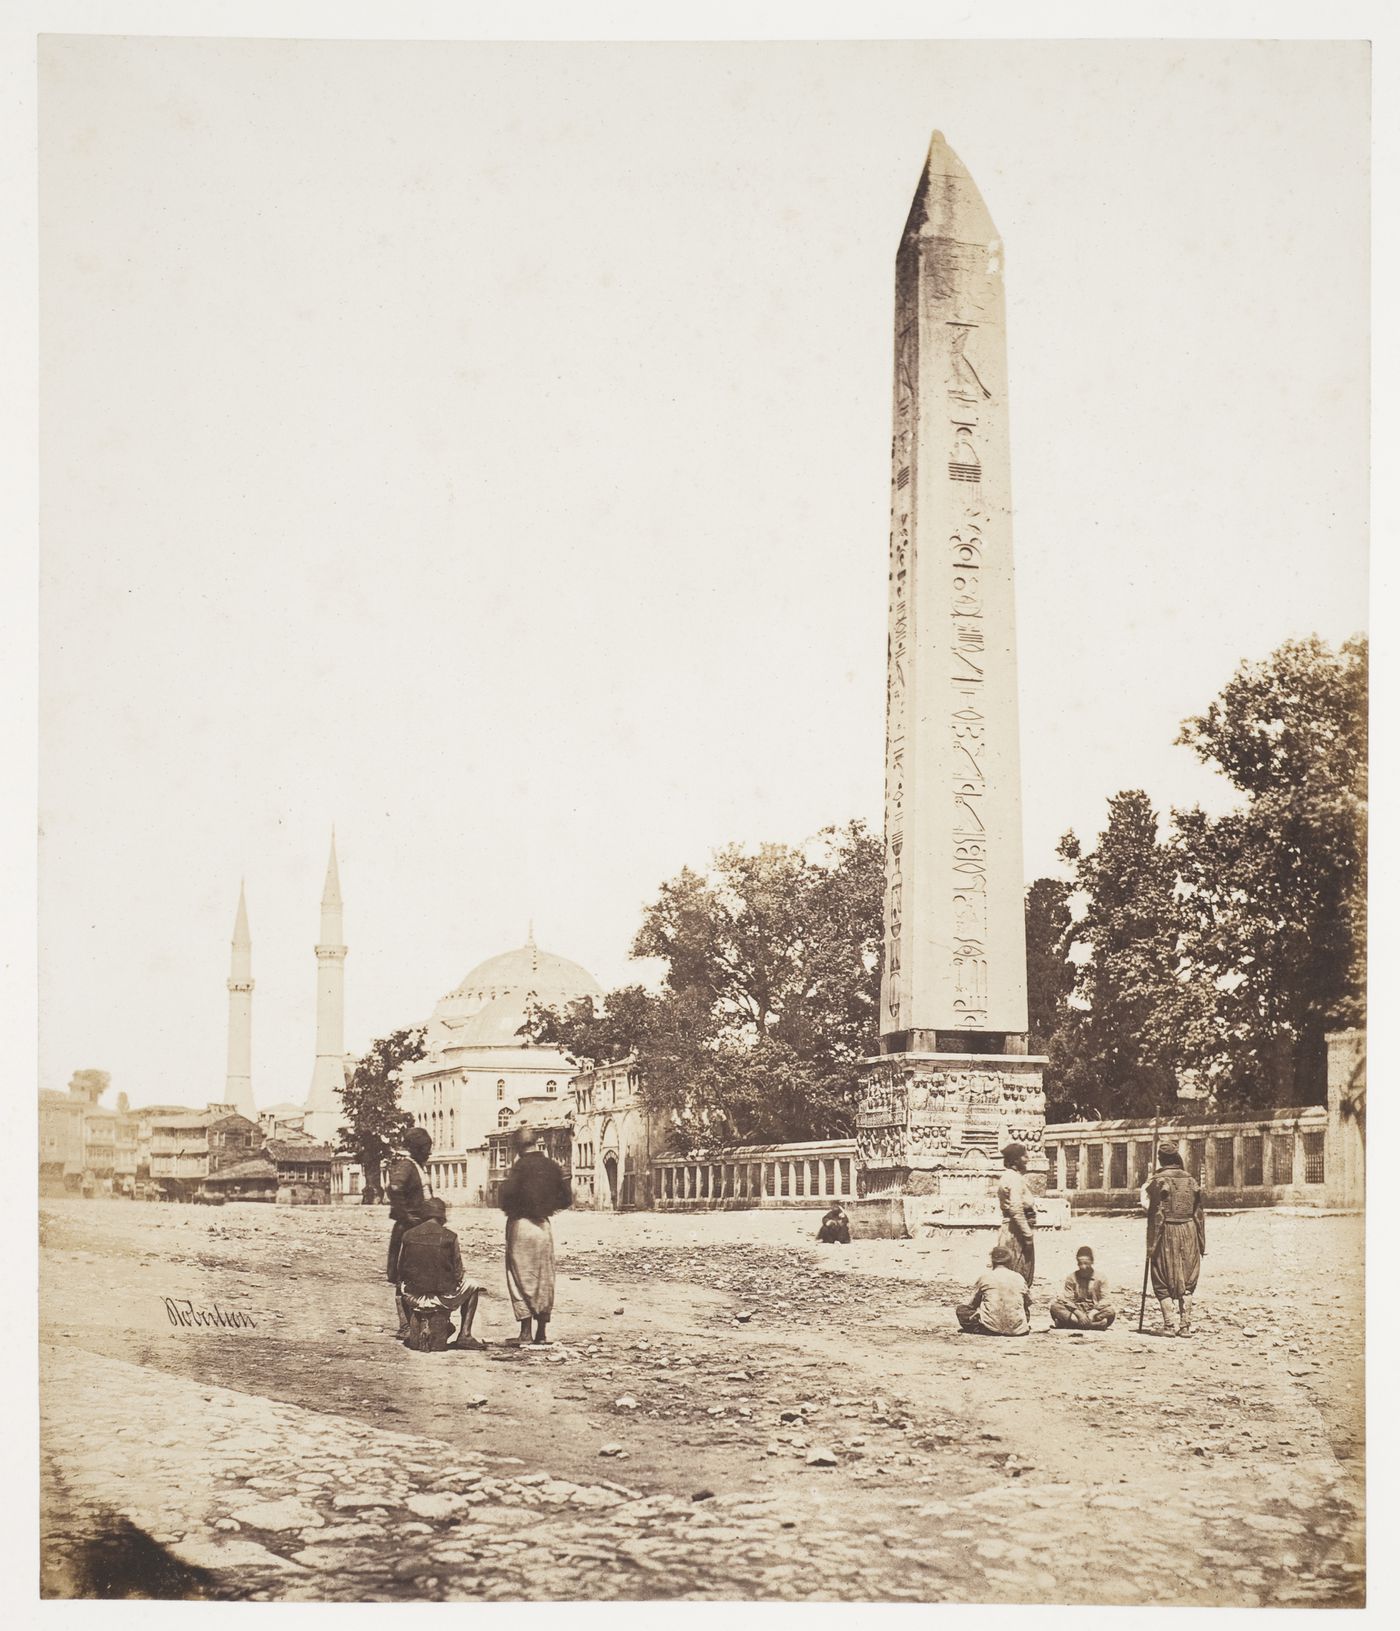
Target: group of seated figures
[(1000, 1302)]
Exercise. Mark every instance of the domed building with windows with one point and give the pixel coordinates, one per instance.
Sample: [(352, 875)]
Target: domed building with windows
[(479, 1074)]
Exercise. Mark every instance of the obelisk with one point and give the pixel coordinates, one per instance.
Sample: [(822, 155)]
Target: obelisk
[(953, 1082), (324, 1107), (238, 1087)]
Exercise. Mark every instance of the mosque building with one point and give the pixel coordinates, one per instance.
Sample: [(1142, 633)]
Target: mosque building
[(479, 1074)]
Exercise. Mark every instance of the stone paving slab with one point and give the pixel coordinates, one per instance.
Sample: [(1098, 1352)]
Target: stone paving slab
[(257, 1494)]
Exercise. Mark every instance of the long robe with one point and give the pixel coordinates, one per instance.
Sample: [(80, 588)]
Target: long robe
[(1176, 1232), (534, 1189), (1018, 1222), (530, 1268)]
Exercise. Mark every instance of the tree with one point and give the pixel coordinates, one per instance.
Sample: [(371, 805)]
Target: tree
[(780, 941), (375, 1122), (592, 1033), (1049, 972), (771, 993), (1113, 1054), (1275, 892), (834, 1014)]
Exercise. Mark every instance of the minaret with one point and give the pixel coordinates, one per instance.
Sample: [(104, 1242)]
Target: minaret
[(324, 1113), (954, 1082), (238, 1090)]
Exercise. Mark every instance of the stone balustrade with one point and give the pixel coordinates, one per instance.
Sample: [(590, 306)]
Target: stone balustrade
[(757, 1175), (1278, 1158)]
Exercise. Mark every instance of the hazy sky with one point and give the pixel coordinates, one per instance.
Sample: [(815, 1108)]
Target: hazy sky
[(485, 448)]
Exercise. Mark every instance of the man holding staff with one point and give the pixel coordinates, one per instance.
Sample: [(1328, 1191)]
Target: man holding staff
[(1176, 1238)]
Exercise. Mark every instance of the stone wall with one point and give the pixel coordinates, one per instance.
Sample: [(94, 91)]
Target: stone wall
[(811, 1175), (1277, 1159)]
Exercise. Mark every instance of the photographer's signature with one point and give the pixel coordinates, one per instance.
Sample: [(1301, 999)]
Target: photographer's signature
[(181, 1311)]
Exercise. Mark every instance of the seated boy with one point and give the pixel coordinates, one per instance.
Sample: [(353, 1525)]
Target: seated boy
[(433, 1283), (1001, 1301), (835, 1228), (1084, 1305)]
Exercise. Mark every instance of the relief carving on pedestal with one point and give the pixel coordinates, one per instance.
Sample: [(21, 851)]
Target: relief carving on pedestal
[(927, 1095), (880, 1146), (930, 1139), (883, 1098)]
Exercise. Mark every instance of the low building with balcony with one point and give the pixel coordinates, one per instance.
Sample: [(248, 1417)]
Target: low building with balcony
[(188, 1147)]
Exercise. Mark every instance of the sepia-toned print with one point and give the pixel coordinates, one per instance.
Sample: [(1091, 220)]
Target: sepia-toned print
[(932, 1167)]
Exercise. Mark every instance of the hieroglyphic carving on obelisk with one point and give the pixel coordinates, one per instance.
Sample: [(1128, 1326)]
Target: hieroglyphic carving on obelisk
[(955, 959), (953, 1082)]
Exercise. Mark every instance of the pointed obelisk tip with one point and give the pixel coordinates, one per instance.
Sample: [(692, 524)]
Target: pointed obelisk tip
[(947, 203), (942, 160)]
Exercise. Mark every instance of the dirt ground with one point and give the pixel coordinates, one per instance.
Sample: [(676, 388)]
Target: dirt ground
[(726, 1410)]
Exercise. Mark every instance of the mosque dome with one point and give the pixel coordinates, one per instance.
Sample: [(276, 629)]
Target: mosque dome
[(488, 1007)]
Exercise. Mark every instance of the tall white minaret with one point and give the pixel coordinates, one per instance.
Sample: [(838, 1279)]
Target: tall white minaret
[(324, 1112), (238, 1090)]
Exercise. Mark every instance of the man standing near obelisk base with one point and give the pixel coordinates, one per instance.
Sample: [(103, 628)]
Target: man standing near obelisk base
[(953, 1084)]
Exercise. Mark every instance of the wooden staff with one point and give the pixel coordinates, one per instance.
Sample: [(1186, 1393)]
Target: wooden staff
[(1147, 1260)]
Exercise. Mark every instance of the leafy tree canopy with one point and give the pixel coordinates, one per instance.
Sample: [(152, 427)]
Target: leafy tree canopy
[(1274, 893), (1111, 1052), (375, 1121), (771, 993), (1234, 943)]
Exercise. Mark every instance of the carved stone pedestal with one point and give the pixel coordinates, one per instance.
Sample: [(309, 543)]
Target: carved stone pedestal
[(929, 1136)]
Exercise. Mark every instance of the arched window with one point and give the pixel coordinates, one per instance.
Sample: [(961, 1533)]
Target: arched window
[(551, 1087), (503, 1116), (501, 1088), (452, 1126)]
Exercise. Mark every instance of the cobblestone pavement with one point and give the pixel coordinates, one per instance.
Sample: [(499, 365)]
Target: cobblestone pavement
[(728, 1412)]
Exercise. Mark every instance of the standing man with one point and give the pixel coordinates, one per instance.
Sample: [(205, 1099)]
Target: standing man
[(534, 1191), (1176, 1237), (1017, 1212), (408, 1189)]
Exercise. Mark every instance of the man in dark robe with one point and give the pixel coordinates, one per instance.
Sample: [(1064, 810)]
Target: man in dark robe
[(835, 1228), (409, 1187), (434, 1284), (535, 1189)]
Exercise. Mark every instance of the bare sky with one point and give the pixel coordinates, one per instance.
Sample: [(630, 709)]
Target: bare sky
[(485, 448)]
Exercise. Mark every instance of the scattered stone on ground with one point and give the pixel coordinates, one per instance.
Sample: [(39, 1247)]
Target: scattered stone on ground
[(803, 1422)]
